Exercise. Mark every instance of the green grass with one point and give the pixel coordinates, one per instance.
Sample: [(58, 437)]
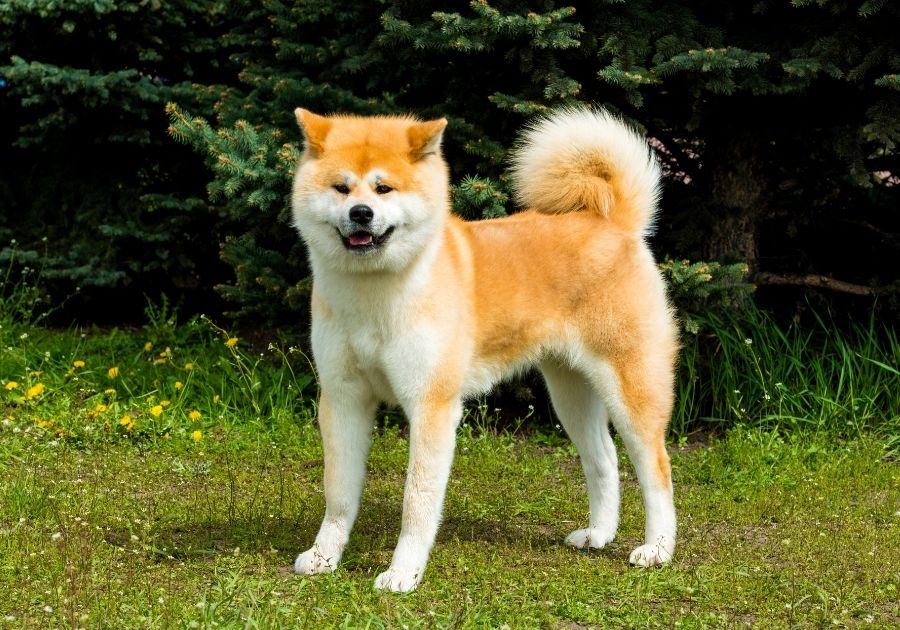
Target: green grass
[(745, 367), (191, 511), (163, 381), (775, 531)]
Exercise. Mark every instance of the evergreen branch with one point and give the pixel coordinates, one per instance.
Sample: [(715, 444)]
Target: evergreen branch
[(517, 105), (694, 284), (889, 81), (718, 63), (870, 8), (477, 197)]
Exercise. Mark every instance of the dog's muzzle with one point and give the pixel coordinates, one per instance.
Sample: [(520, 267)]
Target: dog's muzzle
[(360, 233)]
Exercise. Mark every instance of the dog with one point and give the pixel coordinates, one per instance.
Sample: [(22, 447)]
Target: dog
[(412, 306)]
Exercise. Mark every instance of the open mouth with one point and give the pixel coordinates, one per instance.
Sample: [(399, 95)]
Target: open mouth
[(363, 241)]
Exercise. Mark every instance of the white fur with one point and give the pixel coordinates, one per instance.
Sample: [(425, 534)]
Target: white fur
[(373, 346), (320, 214), (371, 352), (571, 133)]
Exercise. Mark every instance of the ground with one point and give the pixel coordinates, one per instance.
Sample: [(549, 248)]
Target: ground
[(776, 530)]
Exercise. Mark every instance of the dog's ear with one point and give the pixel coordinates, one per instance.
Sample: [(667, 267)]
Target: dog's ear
[(425, 137), (314, 128)]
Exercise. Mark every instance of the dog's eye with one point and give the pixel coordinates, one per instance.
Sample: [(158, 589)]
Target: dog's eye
[(342, 188), (381, 189)]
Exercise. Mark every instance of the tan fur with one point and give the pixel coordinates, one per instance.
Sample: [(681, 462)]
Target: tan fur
[(447, 307), (581, 159)]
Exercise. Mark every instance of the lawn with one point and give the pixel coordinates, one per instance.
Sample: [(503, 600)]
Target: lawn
[(775, 531), (166, 476)]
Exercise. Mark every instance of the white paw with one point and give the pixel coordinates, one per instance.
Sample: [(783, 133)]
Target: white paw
[(590, 538), (313, 561), (653, 554), (399, 580)]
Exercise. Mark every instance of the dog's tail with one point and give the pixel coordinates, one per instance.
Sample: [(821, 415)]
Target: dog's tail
[(580, 159)]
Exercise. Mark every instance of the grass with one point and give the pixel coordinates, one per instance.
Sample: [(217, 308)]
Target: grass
[(163, 381), (166, 476), (745, 367), (775, 531)]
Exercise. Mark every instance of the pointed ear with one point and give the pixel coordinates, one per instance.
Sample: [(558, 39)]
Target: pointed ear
[(425, 137), (314, 127)]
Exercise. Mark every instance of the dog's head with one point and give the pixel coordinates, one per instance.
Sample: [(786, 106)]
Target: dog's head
[(369, 193)]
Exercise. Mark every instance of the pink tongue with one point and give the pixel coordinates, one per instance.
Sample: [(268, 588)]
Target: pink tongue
[(359, 239)]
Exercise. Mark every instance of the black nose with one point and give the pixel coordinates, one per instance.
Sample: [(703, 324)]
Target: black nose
[(361, 214)]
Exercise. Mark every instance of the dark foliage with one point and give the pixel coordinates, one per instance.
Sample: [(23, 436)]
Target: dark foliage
[(777, 125)]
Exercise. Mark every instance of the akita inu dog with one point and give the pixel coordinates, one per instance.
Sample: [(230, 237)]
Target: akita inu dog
[(413, 306)]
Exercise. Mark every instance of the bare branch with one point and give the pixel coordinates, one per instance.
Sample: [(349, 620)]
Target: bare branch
[(815, 280)]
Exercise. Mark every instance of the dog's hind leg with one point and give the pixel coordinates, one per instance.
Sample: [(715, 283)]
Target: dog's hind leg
[(638, 395), (584, 417), (346, 424)]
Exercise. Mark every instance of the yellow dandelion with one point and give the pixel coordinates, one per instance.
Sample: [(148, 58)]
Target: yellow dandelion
[(113, 372), (109, 392), (178, 385), (148, 346), (10, 385), (35, 373), (156, 410), (126, 420), (188, 366), (77, 364), (195, 415), (165, 403), (216, 398), (98, 409), (197, 435), (232, 342), (35, 391)]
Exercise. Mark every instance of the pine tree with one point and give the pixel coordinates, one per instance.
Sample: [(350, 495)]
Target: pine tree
[(740, 100), (777, 124), (775, 114), (85, 163)]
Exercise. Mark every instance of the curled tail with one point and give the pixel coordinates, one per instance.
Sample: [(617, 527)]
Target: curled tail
[(578, 159)]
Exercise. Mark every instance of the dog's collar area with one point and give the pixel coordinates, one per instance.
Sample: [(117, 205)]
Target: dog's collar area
[(365, 241)]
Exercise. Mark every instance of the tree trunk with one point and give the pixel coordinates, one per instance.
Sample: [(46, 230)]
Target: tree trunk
[(737, 201)]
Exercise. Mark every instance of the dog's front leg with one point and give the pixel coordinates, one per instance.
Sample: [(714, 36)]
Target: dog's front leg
[(432, 439), (345, 422)]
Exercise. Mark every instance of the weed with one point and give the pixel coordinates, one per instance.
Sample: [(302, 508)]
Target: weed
[(754, 371), (168, 382)]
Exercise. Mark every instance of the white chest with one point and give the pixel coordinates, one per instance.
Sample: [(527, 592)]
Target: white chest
[(393, 352)]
